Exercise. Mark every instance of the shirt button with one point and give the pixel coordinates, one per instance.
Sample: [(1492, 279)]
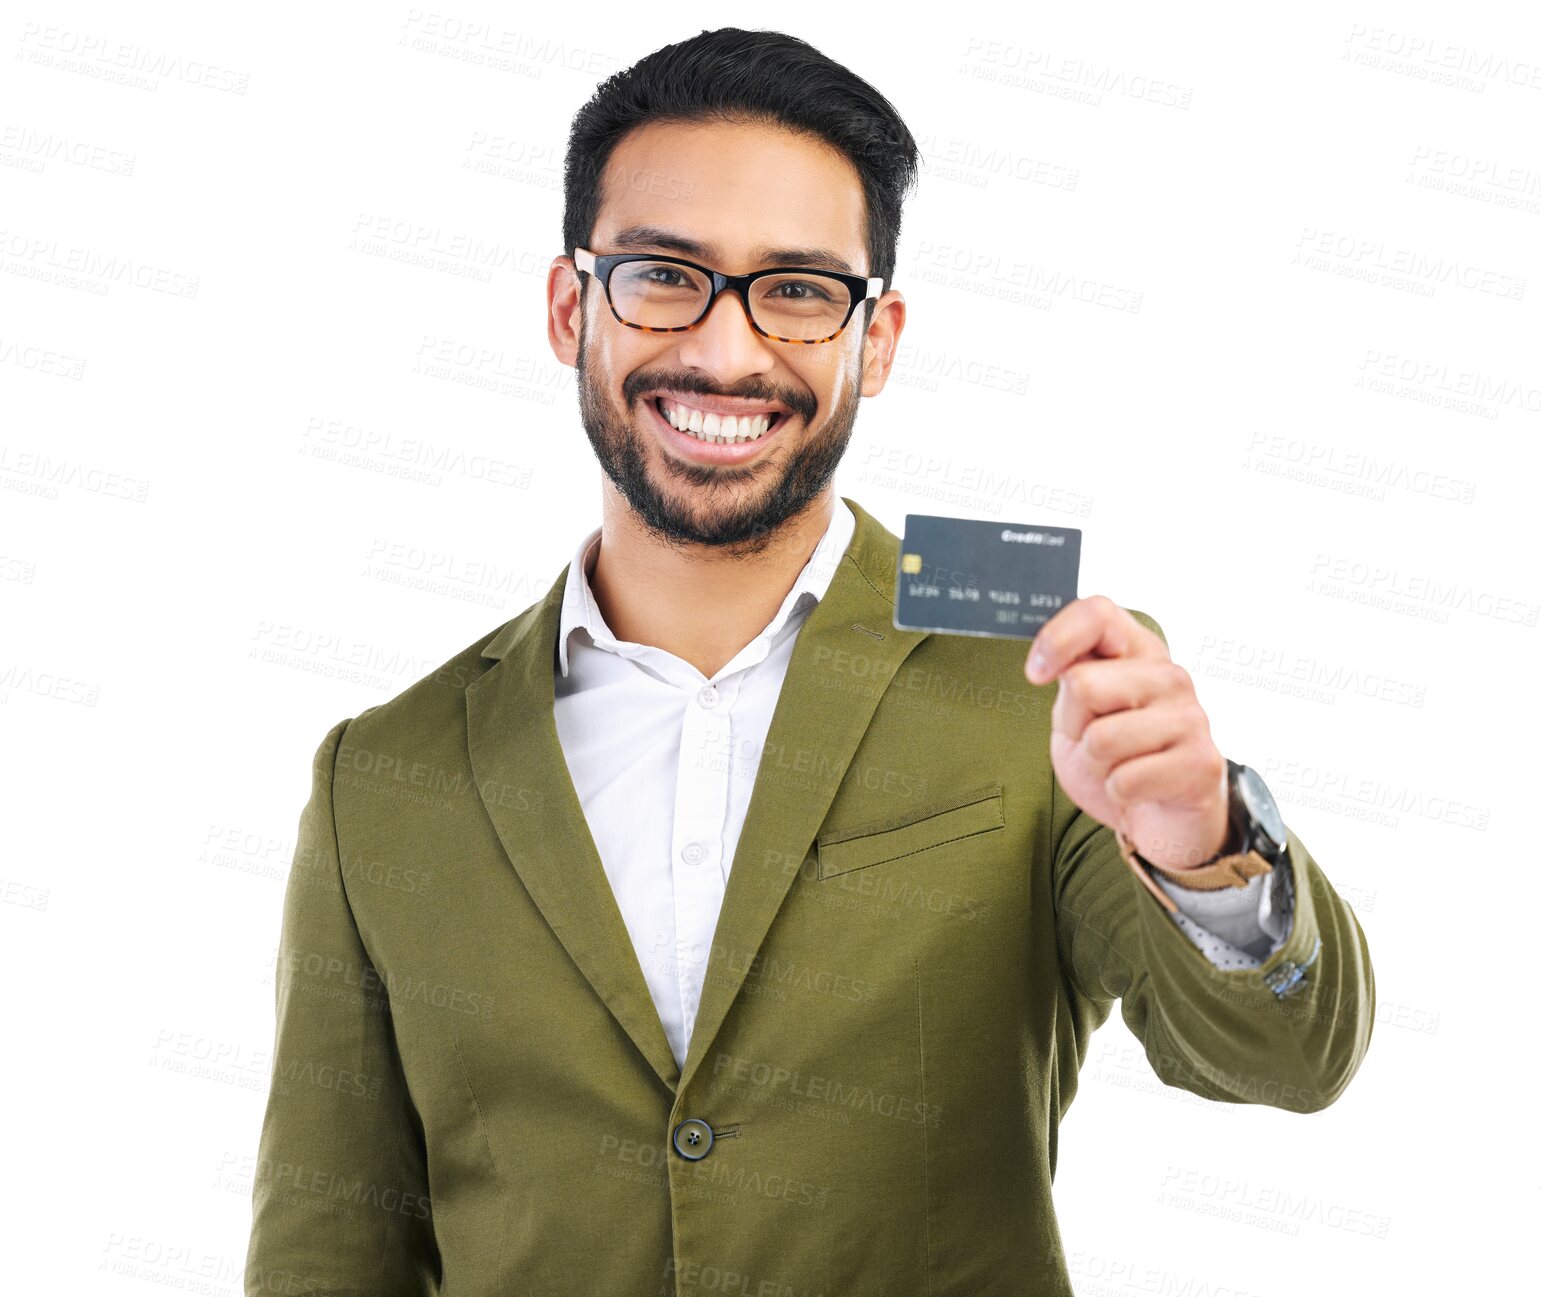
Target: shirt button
[(692, 1139), (694, 853), (707, 696)]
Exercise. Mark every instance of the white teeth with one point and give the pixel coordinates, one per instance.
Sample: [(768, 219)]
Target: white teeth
[(718, 429)]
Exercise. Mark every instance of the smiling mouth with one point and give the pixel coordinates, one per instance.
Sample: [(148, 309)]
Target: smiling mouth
[(746, 431)]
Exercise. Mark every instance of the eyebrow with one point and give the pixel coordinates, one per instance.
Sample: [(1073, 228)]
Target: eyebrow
[(655, 236)]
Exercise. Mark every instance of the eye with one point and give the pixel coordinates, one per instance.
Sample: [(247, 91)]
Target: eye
[(802, 286)]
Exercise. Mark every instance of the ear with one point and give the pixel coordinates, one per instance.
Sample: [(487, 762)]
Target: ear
[(881, 343), (564, 314)]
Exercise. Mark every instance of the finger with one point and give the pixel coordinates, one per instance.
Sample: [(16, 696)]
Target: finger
[(1095, 688), (1117, 739), (1094, 627), (1187, 773)]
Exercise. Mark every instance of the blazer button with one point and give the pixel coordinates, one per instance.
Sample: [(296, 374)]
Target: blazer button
[(693, 1139)]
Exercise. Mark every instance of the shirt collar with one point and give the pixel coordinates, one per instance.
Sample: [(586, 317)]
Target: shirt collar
[(580, 609)]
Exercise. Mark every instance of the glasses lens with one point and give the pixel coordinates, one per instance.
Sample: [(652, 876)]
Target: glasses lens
[(658, 294), (804, 305)]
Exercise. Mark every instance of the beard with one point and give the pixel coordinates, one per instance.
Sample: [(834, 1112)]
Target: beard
[(738, 507)]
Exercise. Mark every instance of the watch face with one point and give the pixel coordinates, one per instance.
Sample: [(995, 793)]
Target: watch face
[(1261, 805)]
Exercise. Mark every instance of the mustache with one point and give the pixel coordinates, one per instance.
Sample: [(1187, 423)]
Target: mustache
[(798, 403)]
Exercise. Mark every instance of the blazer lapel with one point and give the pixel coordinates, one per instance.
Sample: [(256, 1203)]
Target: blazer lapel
[(522, 776), (846, 654)]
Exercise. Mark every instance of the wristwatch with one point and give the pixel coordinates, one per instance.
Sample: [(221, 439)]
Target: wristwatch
[(1254, 818)]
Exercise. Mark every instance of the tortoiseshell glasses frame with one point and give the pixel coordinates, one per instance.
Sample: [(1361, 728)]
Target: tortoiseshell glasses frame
[(600, 265)]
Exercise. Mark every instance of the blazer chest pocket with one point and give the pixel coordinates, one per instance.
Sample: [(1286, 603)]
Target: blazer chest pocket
[(961, 815)]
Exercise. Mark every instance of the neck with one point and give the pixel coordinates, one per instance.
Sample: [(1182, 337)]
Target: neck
[(701, 603)]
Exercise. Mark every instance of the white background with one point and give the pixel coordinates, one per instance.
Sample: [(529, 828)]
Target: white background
[(1273, 347)]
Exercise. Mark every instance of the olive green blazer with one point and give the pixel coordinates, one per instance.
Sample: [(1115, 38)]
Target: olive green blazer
[(472, 1093)]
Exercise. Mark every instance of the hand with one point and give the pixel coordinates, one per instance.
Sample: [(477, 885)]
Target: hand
[(1130, 743)]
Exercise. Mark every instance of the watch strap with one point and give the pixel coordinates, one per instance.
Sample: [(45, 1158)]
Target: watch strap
[(1235, 870)]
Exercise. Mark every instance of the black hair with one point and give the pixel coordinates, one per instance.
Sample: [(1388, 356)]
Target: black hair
[(734, 75)]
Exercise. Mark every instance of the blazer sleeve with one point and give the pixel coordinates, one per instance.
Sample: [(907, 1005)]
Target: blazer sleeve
[(340, 1200), (1290, 1033)]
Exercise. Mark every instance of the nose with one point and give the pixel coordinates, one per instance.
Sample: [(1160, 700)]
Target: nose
[(725, 343)]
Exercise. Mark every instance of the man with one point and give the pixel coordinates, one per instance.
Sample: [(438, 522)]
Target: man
[(700, 931)]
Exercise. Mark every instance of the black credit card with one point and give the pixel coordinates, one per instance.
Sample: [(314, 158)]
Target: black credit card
[(965, 576)]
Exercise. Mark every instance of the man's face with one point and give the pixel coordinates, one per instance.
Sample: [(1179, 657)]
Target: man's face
[(737, 190)]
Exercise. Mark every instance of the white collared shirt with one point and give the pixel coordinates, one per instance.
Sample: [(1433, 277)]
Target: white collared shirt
[(664, 759)]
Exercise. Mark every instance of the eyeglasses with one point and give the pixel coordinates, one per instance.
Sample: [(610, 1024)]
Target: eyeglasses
[(669, 295)]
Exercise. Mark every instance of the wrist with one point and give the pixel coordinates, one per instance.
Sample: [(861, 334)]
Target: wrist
[(1175, 858), (1230, 845)]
